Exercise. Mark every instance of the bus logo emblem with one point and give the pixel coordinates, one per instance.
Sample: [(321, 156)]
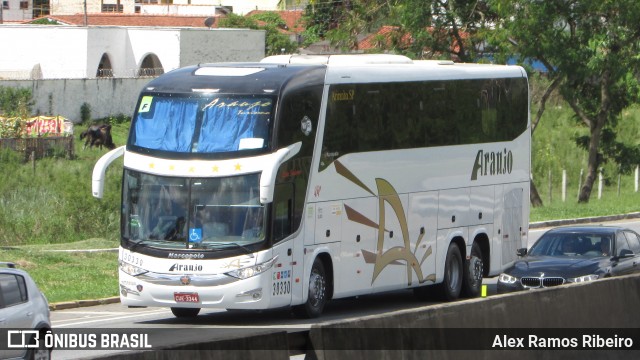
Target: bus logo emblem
[(490, 163), (185, 280)]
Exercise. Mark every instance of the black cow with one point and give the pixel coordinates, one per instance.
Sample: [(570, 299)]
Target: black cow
[(98, 135)]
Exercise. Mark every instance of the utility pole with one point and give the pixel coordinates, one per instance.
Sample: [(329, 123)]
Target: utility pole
[(86, 23)]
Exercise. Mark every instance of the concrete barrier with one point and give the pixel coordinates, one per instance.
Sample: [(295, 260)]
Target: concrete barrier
[(267, 345), (608, 308), (481, 328)]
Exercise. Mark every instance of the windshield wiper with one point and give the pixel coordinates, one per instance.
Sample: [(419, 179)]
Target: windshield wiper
[(225, 245), (136, 244)]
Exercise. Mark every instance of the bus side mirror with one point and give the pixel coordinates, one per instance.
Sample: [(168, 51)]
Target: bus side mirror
[(268, 177), (97, 180)]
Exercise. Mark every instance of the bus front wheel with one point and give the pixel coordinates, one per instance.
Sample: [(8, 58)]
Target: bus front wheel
[(452, 283), (317, 297), (185, 312)]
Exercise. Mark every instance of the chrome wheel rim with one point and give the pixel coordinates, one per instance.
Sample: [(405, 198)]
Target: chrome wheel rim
[(316, 289)]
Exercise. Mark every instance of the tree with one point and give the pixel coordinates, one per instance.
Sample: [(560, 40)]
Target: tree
[(445, 29), (421, 28), (275, 41), (320, 17), (590, 48), (15, 102)]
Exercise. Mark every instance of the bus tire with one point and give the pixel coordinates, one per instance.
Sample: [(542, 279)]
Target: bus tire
[(185, 312), (317, 297), (452, 283), (473, 272)]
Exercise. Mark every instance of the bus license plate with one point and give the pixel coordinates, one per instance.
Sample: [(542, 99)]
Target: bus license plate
[(186, 297)]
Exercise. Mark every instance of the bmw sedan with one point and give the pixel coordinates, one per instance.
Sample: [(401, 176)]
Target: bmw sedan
[(573, 254)]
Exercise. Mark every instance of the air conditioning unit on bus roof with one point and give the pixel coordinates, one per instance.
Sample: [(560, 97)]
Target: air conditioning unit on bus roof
[(361, 59)]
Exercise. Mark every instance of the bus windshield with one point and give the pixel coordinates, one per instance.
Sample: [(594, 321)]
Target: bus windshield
[(192, 213), (202, 123)]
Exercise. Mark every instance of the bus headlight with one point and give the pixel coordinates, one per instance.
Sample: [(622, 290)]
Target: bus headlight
[(250, 271), (584, 278), (131, 269)]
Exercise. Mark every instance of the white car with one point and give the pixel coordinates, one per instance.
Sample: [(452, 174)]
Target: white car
[(23, 310)]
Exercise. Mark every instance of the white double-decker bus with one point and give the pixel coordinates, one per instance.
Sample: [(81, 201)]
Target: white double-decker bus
[(301, 179)]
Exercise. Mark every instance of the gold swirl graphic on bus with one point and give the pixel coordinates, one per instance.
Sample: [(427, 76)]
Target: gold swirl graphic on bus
[(396, 255)]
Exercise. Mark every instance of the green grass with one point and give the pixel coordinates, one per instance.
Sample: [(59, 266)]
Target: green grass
[(609, 204), (64, 276), (52, 209), (53, 203)]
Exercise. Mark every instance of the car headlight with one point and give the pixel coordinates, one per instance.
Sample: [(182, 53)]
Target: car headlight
[(131, 269), (507, 279), (250, 271), (584, 278)]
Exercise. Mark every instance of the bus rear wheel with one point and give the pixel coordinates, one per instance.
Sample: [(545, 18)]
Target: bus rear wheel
[(185, 312), (452, 283), (317, 297), (473, 272)]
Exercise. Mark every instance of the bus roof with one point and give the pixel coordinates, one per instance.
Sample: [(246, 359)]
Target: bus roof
[(273, 72), (418, 71), (239, 78), (365, 68)]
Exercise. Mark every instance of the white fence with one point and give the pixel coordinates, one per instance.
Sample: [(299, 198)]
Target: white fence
[(599, 184)]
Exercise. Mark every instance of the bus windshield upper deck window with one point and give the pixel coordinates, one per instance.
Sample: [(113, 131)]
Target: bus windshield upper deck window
[(231, 124), (202, 124), (165, 123)]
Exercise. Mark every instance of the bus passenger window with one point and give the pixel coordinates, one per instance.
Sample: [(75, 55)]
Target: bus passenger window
[(282, 211)]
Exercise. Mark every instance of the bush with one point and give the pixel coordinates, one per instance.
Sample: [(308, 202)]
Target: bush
[(15, 102), (85, 113)]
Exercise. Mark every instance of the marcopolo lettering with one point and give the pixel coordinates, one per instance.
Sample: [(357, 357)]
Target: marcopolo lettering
[(186, 256), (185, 267), (491, 163)]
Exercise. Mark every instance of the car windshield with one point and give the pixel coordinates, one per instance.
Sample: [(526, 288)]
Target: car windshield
[(572, 244), (192, 213)]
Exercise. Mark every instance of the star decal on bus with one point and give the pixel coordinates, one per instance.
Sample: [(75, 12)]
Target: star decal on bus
[(397, 255)]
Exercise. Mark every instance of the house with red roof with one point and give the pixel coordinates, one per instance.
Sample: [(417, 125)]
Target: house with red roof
[(172, 7)]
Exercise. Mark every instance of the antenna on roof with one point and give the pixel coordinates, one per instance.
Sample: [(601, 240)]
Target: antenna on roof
[(208, 22)]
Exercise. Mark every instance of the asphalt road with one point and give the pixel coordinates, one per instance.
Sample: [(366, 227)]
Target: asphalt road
[(221, 323)]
